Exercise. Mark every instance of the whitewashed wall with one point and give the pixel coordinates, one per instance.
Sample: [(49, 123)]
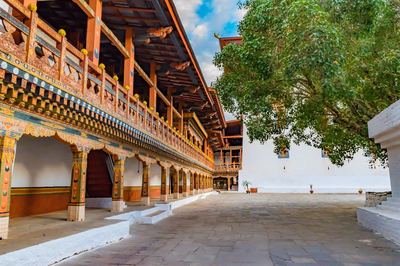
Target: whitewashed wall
[(306, 166), (155, 175), (42, 162), (133, 172)]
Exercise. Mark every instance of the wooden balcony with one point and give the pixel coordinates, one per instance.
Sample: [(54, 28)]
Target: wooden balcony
[(228, 168), (35, 53)]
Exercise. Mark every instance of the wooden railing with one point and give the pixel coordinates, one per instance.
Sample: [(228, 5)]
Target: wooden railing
[(40, 46), (228, 167)]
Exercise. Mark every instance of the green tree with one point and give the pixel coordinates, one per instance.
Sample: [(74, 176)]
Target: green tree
[(314, 72)]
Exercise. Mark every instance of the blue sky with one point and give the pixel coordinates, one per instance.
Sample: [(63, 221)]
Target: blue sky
[(203, 18)]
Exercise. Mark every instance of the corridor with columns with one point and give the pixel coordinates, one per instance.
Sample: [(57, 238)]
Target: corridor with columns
[(100, 110)]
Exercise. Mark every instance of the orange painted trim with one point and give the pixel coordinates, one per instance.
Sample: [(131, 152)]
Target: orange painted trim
[(32, 201), (23, 191)]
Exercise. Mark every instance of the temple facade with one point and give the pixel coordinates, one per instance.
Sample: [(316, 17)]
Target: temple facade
[(103, 103)]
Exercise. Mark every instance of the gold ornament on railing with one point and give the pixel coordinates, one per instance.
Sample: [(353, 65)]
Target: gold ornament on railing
[(151, 108), (145, 103), (127, 88), (32, 7), (115, 77), (162, 118), (137, 96), (84, 51), (102, 66), (62, 32), (157, 114)]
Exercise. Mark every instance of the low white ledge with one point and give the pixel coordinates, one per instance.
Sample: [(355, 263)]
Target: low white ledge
[(385, 219)]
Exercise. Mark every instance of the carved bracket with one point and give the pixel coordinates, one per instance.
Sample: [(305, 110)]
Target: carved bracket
[(146, 160)]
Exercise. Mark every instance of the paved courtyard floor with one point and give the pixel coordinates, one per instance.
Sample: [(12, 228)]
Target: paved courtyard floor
[(257, 229)]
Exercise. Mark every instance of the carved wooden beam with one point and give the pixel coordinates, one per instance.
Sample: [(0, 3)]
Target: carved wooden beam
[(85, 8), (161, 33), (180, 66), (165, 164), (132, 9), (110, 35)]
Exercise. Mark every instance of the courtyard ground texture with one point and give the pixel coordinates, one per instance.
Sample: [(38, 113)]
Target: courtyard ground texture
[(256, 229)]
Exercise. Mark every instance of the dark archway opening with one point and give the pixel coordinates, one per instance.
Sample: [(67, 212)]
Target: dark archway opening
[(99, 178)]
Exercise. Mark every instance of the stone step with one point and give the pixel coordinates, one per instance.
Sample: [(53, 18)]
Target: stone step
[(154, 217), (388, 208)]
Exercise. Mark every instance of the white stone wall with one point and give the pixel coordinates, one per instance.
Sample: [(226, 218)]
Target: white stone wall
[(305, 166), (42, 162)]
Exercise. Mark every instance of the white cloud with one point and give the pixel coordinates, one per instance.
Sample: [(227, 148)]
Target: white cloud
[(210, 71), (187, 12), (200, 31), (240, 13)]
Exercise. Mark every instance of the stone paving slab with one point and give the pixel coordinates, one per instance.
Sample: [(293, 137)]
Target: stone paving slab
[(255, 229)]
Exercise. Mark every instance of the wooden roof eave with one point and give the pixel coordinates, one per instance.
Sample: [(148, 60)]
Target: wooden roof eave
[(220, 110), (178, 24)]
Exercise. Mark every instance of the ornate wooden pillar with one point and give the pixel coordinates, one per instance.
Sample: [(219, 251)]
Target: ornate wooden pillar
[(93, 33), (184, 183), (165, 169), (175, 177), (196, 183), (164, 190), (146, 161), (229, 183), (145, 184), (191, 190), (200, 183), (76, 206), (7, 156), (118, 203)]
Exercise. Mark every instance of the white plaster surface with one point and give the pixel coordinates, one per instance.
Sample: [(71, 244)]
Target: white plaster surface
[(155, 175), (385, 218), (263, 168), (42, 162), (67, 246), (133, 172)]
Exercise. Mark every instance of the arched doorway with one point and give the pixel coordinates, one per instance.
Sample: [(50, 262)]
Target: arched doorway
[(221, 183), (171, 180), (100, 173)]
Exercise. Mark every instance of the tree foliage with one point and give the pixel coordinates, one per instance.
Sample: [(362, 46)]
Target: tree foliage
[(314, 72)]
